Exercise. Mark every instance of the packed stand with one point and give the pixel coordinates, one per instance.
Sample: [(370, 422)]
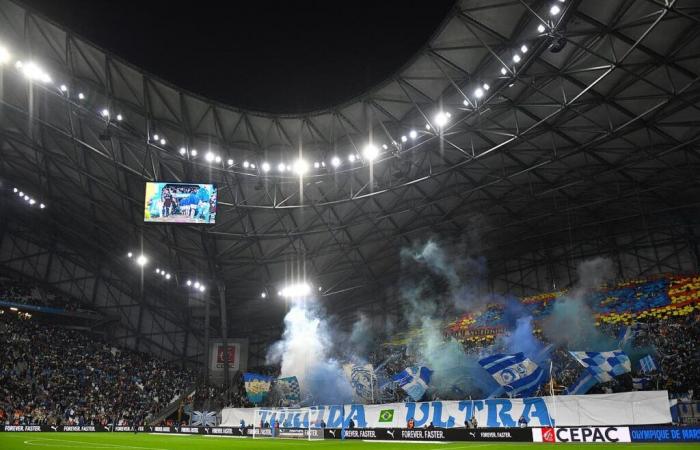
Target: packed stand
[(51, 375)]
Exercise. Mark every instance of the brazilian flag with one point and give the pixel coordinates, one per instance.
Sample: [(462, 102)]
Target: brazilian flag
[(386, 415)]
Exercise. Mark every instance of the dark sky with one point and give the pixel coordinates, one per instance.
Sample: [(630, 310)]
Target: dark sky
[(292, 56)]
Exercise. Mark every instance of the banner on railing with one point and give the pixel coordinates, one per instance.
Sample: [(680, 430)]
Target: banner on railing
[(628, 408)]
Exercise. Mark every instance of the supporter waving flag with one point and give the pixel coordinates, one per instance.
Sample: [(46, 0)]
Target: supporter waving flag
[(518, 375), (604, 366), (414, 380)]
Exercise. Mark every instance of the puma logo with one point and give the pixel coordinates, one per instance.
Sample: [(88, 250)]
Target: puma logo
[(390, 433), (472, 434), (332, 432), (54, 428)]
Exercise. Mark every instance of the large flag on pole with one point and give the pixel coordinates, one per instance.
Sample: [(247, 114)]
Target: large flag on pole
[(604, 366), (518, 375), (362, 380), (256, 386), (414, 380)]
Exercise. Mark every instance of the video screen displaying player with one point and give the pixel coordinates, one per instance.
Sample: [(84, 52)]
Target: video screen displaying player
[(180, 203)]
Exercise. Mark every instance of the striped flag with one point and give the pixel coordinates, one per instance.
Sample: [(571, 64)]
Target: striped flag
[(647, 364), (517, 374)]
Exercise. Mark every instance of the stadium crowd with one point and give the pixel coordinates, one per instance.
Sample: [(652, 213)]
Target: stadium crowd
[(52, 375), (23, 293)]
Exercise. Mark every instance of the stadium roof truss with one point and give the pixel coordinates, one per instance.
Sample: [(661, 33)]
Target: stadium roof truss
[(588, 145)]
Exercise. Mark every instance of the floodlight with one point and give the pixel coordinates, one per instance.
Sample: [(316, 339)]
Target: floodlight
[(156, 137), (193, 152), (167, 276), (404, 138), (64, 88), (265, 167), (142, 260), (316, 165), (120, 117), (14, 190), (196, 284), (478, 93), (370, 152), (540, 28), (486, 86), (516, 58), (441, 119), (26, 198), (252, 166), (263, 295), (202, 288), (21, 194), (246, 164), (385, 147), (129, 255), (296, 290), (335, 161), (189, 282), (183, 150), (413, 134), (81, 96), (209, 157), (105, 112), (157, 270), (42, 206), (162, 141), (351, 158), (217, 159), (301, 167), (229, 162), (32, 201), (524, 48), (554, 10), (4, 55), (503, 71), (281, 167)]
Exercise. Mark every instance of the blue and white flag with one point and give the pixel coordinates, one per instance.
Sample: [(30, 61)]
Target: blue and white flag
[(362, 380), (604, 366), (287, 391), (203, 419), (256, 386), (414, 380), (626, 336), (647, 364), (517, 374)]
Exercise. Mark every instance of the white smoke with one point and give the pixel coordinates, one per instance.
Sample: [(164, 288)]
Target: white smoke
[(304, 352)]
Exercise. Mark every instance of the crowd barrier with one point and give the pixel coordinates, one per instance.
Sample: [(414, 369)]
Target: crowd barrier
[(609, 434)]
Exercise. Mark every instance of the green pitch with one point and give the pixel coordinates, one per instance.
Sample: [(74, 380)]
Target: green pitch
[(143, 441)]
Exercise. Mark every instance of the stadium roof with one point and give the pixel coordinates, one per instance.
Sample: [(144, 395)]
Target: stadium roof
[(570, 134)]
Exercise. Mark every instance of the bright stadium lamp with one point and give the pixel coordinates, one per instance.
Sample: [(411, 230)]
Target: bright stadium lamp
[(524, 48), (202, 288), (281, 167), (370, 152), (129, 255), (516, 58), (189, 282), (81, 96), (503, 71), (217, 159), (540, 28), (265, 167), (196, 285), (42, 206), (413, 134), (296, 290), (209, 157), (441, 119), (246, 164), (4, 55), (141, 260), (554, 10), (335, 162), (301, 167), (64, 88), (478, 93), (120, 117), (230, 162)]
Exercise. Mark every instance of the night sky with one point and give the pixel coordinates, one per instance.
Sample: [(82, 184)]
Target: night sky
[(292, 56)]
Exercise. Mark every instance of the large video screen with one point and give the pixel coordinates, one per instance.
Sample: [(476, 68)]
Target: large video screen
[(180, 203)]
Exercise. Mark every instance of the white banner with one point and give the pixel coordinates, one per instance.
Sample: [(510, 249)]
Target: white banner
[(628, 408), (581, 434)]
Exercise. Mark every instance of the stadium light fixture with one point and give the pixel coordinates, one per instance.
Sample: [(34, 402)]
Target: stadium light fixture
[(281, 167), (265, 167), (441, 119), (14, 190), (105, 113), (33, 72), (370, 152), (209, 157), (301, 167), (183, 150), (246, 164), (193, 152), (120, 117), (142, 260), (554, 10), (351, 157), (217, 159), (64, 88), (163, 141), (189, 282), (156, 137), (26, 198), (157, 270), (4, 55), (167, 276), (42, 206), (516, 58), (202, 288), (503, 71), (129, 255), (32, 201), (413, 134), (523, 48), (263, 295), (316, 165), (386, 147), (229, 162), (540, 28), (21, 194), (81, 96), (296, 290), (404, 139), (252, 166), (478, 93), (335, 162), (196, 285)]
